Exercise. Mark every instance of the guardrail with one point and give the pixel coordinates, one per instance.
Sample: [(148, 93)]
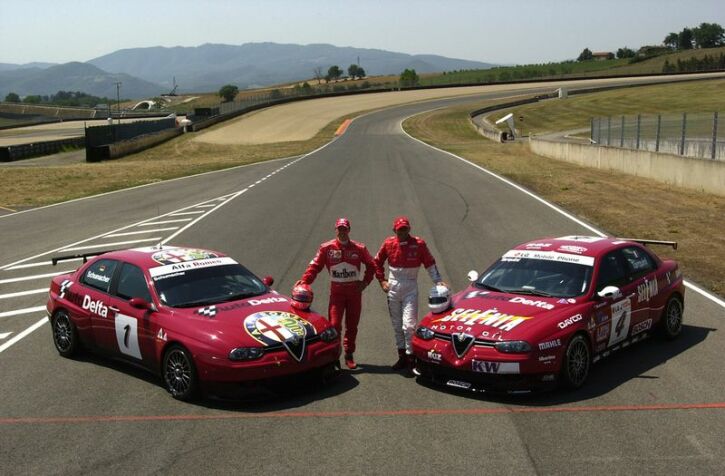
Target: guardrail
[(25, 151)]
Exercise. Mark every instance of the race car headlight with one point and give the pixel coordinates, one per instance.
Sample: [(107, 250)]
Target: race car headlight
[(513, 347), (246, 353), (424, 333), (329, 334)]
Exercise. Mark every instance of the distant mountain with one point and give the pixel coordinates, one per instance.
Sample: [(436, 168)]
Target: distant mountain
[(74, 76), (209, 66), (12, 67)]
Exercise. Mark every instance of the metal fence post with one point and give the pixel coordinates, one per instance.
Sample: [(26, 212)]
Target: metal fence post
[(714, 136), (657, 134), (591, 132), (682, 134), (609, 130), (621, 134), (639, 128), (599, 130)]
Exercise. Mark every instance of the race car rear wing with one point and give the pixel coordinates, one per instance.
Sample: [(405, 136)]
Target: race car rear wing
[(85, 256), (673, 244)]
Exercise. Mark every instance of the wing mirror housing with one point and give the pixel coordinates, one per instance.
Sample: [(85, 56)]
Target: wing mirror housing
[(141, 303), (268, 281), (610, 292), (473, 275)]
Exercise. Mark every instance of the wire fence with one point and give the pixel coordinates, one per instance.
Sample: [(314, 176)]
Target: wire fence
[(700, 135)]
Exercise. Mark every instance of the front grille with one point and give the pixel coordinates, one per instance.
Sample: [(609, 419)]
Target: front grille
[(477, 342), (308, 340)]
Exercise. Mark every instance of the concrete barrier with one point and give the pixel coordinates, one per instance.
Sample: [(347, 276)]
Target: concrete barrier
[(26, 151), (130, 146), (704, 175)]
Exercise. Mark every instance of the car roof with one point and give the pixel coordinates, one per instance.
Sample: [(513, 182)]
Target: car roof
[(578, 245), (152, 257)]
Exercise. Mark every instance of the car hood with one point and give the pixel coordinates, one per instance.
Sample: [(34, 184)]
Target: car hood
[(501, 316), (265, 320)]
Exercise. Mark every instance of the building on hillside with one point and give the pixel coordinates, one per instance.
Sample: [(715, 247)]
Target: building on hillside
[(602, 55)]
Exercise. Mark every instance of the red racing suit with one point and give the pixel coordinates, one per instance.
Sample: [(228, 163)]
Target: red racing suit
[(344, 262), (404, 259)]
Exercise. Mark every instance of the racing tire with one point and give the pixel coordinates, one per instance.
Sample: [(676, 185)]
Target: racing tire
[(672, 318), (577, 362), (179, 373), (65, 334)]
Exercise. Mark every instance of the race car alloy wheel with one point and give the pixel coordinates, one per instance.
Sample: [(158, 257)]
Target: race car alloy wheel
[(65, 336), (179, 373), (576, 362), (672, 320)]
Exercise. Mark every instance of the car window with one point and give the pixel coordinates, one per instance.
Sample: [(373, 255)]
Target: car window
[(639, 262), (537, 277), (612, 271), (131, 283), (99, 274)]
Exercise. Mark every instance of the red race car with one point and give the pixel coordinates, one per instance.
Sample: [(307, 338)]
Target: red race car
[(545, 311), (195, 317)]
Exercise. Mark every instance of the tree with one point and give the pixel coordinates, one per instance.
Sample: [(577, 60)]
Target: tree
[(32, 99), (333, 73), (709, 35), (585, 55), (317, 71), (625, 53), (12, 97), (228, 92), (355, 71), (684, 39), (409, 78), (672, 40)]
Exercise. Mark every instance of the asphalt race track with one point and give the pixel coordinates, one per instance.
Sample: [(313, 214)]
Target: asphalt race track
[(658, 407)]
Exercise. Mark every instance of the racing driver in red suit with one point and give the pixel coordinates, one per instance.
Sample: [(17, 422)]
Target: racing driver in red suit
[(343, 258), (405, 254)]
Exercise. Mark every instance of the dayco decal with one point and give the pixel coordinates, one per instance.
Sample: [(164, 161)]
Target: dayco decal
[(569, 321), (486, 367), (550, 344), (96, 307), (489, 317), (647, 291), (641, 327)]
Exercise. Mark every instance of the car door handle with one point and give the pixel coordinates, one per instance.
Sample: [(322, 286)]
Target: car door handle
[(115, 309)]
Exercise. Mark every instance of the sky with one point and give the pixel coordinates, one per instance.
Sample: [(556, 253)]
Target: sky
[(502, 32)]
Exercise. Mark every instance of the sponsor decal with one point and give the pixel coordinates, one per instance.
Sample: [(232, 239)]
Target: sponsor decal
[(572, 249), (189, 265), (538, 245), (641, 327), (459, 384), (621, 316), (569, 321), (517, 255), (99, 277), (486, 367), (601, 316), (531, 302), (474, 294), (551, 344), (161, 335), (181, 255), (591, 325), (343, 274), (461, 343), (211, 311), (582, 239), (96, 307), (334, 254), (603, 333), (647, 290), (548, 378), (489, 317), (278, 327), (547, 358), (434, 356), (566, 301), (600, 347), (64, 287)]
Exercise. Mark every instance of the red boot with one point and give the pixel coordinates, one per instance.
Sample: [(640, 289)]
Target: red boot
[(350, 362), (402, 362)]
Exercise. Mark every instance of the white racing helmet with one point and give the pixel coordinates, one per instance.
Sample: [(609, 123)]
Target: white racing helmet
[(439, 299)]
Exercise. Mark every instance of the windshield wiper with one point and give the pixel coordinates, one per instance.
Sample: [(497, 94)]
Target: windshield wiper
[(199, 303), (533, 292), (489, 287)]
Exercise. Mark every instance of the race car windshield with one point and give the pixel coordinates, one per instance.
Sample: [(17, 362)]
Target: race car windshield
[(537, 277), (206, 286)]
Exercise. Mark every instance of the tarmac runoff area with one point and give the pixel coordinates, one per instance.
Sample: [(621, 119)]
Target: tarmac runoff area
[(301, 120)]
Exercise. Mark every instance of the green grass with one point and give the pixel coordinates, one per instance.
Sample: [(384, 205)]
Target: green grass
[(576, 111)]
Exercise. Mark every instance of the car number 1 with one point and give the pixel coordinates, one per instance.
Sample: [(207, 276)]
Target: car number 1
[(127, 335)]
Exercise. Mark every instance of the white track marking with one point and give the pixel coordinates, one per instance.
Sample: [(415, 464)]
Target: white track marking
[(186, 213), (207, 206), (42, 263), (23, 334), (688, 284), (4, 335), (30, 278), (116, 235), (23, 293), (27, 310), (180, 220), (117, 243)]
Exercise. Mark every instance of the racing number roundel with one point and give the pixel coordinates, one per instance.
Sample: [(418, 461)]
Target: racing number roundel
[(127, 335)]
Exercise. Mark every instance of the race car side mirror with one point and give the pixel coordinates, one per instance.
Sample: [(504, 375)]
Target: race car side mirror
[(141, 303), (268, 281), (473, 275), (611, 292)]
